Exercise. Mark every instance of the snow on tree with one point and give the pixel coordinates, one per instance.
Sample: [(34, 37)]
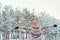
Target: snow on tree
[(11, 18)]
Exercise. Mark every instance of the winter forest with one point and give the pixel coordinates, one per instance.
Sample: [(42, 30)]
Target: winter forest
[(12, 19)]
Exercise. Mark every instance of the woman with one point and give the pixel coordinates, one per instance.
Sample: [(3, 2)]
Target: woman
[(35, 31)]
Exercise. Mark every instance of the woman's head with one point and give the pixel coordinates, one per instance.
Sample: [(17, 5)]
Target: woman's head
[(35, 22)]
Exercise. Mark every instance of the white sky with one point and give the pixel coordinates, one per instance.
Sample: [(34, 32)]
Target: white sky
[(52, 7)]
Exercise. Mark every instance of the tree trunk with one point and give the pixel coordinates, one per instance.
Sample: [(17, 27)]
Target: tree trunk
[(7, 35)]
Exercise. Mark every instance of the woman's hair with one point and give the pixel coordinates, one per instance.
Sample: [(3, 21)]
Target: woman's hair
[(35, 22)]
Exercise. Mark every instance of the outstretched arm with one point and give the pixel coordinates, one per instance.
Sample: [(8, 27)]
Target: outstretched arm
[(23, 29)]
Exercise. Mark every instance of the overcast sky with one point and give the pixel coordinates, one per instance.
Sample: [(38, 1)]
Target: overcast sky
[(52, 7)]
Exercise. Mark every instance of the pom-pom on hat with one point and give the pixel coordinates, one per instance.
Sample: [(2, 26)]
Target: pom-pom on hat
[(35, 22)]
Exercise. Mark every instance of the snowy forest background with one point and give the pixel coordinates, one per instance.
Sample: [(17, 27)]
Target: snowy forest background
[(11, 18)]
